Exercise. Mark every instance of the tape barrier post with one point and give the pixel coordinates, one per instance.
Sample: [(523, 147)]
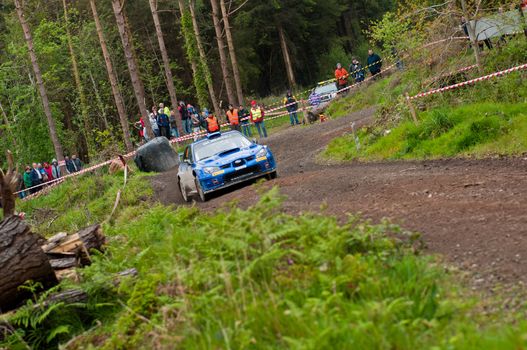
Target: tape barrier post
[(411, 108)]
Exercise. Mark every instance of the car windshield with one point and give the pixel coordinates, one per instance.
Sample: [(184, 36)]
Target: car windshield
[(325, 89), (225, 143)]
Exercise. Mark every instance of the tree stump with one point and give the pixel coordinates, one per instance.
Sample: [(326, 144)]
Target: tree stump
[(21, 259)]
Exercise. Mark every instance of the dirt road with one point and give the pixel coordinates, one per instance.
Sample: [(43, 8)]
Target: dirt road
[(474, 212)]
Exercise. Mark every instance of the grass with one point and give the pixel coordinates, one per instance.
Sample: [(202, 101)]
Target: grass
[(255, 279), (477, 130)]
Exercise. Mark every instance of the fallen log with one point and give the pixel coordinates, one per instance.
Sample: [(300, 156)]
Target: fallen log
[(21, 260)]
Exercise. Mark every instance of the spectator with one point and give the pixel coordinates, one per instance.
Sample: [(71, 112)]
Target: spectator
[(76, 163), (153, 122), (292, 108), (55, 169), (233, 118), (140, 126), (185, 118), (36, 178), (163, 124), (213, 125), (257, 117), (197, 122), (163, 110), (356, 70), (246, 125), (27, 177), (21, 186), (49, 171), (341, 75), (374, 63), (174, 132), (193, 115), (69, 165), (43, 172)]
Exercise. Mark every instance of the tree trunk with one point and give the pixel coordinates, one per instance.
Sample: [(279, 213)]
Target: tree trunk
[(472, 36), (287, 58), (204, 63), (119, 102), (193, 56), (224, 62), (8, 127), (133, 69), (232, 53), (59, 153), (21, 260), (166, 63), (78, 83)]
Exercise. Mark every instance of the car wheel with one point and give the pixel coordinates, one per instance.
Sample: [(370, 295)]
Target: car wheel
[(272, 176), (202, 196), (184, 193)]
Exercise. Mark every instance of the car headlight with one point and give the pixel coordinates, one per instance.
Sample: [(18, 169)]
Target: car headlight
[(262, 153), (211, 169)]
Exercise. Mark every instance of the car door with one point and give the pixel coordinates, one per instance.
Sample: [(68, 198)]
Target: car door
[(185, 170)]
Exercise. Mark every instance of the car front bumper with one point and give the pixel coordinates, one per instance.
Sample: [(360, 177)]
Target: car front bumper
[(231, 177)]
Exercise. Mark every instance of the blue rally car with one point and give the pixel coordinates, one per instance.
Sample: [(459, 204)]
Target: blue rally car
[(222, 160)]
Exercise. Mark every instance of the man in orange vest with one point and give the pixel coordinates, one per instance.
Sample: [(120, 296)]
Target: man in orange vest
[(213, 124), (257, 118), (341, 74), (233, 118)]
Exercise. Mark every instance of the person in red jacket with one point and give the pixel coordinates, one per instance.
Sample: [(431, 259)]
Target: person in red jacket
[(257, 118), (341, 74), (49, 171)]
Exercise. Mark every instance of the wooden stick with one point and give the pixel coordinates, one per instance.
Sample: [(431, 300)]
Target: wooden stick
[(412, 109)]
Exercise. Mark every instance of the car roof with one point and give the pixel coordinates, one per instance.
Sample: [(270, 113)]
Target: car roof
[(222, 135)]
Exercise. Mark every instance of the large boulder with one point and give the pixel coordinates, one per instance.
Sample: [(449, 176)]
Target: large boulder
[(156, 156)]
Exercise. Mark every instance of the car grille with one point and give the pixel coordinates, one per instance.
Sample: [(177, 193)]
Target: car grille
[(239, 161), (240, 174)]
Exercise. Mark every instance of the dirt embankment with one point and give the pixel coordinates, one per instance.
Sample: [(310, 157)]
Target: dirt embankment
[(474, 212)]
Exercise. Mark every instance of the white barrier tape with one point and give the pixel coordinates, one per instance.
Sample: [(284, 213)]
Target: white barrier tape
[(468, 82)]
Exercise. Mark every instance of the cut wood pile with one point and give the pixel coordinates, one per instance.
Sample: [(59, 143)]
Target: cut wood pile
[(24, 258)]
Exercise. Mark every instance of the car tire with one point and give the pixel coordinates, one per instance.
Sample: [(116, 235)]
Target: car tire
[(202, 196), (184, 193), (272, 176)]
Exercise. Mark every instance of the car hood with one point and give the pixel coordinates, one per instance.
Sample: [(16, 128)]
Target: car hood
[(229, 158)]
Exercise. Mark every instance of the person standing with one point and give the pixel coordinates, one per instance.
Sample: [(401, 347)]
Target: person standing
[(49, 171), (163, 109), (27, 178), (197, 121), (69, 165), (153, 122), (356, 70), (233, 118), (185, 118), (341, 75), (374, 63), (36, 179), (77, 164), (55, 169), (174, 132), (257, 118), (244, 120), (163, 124), (213, 125), (291, 105)]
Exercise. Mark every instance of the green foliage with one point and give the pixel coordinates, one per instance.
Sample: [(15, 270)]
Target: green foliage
[(258, 278), (480, 130), (82, 201)]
